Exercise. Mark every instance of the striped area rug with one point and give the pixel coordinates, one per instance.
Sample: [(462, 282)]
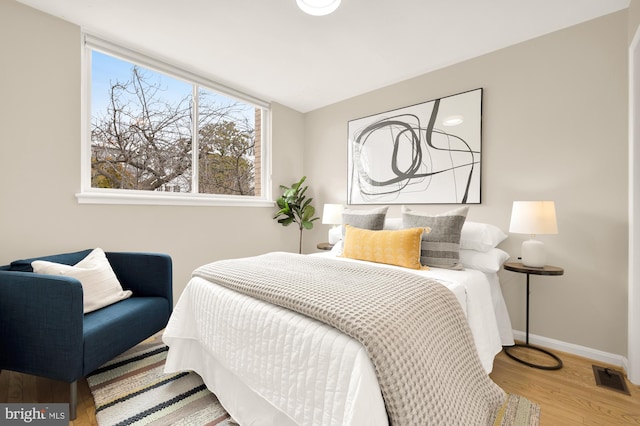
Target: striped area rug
[(133, 390), (518, 411)]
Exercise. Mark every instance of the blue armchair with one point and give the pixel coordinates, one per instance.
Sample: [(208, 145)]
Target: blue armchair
[(44, 332)]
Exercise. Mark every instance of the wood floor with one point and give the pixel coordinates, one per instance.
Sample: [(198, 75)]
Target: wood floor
[(16, 387), (568, 396)]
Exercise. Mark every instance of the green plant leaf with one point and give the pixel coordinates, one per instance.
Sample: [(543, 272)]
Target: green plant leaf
[(308, 212), (285, 221)]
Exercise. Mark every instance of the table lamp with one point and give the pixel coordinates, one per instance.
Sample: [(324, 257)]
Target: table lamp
[(533, 218), (332, 215)]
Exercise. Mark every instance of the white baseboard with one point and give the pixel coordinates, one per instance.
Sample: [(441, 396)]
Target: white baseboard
[(583, 351)]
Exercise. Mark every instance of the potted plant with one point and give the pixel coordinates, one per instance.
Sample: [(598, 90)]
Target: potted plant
[(295, 207)]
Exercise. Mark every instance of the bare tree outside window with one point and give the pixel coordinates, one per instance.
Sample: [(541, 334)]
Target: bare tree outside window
[(227, 148), (142, 137)]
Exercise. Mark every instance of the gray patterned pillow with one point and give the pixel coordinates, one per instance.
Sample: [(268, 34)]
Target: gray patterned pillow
[(440, 247), (372, 219)]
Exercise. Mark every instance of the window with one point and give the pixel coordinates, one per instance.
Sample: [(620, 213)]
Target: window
[(156, 134)]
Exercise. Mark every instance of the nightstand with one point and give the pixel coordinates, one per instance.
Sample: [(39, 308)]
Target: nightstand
[(325, 246), (545, 270)]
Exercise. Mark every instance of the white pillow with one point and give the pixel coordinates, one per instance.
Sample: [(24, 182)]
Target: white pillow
[(338, 248), (100, 287), (487, 261), (480, 236), (392, 223)]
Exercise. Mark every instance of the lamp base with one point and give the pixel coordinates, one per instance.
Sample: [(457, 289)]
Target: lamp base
[(533, 253), (335, 234)]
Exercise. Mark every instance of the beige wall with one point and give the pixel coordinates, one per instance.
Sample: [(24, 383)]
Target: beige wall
[(634, 18), (40, 171), (554, 127)]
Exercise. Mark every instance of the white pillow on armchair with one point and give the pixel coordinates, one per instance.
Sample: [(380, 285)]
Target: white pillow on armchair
[(100, 286)]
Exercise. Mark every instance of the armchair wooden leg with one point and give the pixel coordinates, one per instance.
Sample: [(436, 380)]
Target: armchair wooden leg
[(73, 400)]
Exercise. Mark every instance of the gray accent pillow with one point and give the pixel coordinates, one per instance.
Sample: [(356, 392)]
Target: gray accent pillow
[(372, 219), (440, 248)]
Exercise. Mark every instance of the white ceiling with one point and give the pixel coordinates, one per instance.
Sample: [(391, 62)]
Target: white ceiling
[(272, 50)]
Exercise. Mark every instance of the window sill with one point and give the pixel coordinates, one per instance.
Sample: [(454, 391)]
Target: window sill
[(168, 199)]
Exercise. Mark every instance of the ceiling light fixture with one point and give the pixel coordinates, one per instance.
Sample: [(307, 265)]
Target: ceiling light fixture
[(318, 7)]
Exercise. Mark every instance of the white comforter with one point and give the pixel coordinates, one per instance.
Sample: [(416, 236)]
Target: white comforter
[(270, 366)]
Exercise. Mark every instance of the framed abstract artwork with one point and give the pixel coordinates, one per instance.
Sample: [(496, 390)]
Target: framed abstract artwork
[(429, 153)]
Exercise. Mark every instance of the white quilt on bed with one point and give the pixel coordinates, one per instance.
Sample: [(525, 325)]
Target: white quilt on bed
[(269, 366)]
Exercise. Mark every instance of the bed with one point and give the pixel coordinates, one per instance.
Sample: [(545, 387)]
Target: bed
[(269, 365)]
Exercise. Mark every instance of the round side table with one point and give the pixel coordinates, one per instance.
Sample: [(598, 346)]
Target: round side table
[(324, 246), (545, 270)]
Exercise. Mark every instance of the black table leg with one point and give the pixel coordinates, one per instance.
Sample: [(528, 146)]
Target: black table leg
[(556, 366)]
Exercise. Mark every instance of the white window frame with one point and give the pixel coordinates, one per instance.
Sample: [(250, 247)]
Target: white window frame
[(89, 195)]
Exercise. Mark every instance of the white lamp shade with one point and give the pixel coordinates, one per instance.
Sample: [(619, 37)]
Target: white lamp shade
[(533, 218), (332, 214), (318, 7)]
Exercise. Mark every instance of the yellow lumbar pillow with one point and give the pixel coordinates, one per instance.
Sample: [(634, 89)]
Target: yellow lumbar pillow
[(397, 247)]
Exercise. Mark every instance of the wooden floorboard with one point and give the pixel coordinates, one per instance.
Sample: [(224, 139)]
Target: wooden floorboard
[(25, 388), (567, 397)]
